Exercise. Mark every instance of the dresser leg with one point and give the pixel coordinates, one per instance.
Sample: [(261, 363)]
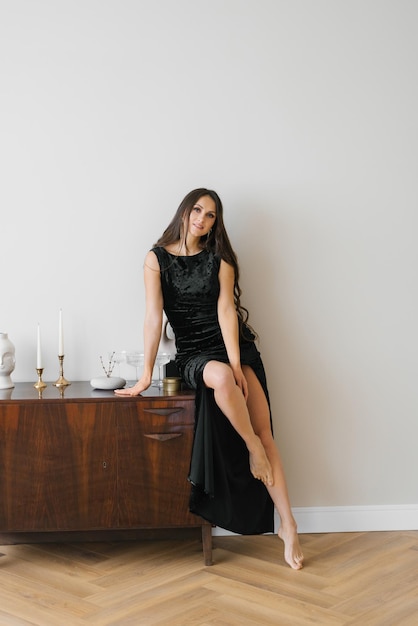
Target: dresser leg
[(207, 543)]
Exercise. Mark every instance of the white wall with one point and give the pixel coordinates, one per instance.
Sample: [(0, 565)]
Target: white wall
[(302, 115)]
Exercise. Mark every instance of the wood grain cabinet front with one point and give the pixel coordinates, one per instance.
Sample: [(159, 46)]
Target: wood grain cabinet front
[(91, 462), (154, 446), (58, 467)]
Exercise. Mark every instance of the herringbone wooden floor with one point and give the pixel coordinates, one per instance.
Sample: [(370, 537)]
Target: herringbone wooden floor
[(365, 579)]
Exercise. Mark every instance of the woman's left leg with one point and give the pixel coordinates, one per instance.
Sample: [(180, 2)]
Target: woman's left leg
[(260, 418)]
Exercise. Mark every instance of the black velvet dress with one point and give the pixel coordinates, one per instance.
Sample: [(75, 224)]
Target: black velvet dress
[(223, 490)]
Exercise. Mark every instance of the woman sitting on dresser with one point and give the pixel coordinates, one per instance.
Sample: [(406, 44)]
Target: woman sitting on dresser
[(236, 473)]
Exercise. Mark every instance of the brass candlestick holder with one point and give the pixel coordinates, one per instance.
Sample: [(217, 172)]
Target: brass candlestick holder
[(62, 389), (61, 382), (40, 383)]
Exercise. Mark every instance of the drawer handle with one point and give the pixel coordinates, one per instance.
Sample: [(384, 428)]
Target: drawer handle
[(163, 436), (165, 412)]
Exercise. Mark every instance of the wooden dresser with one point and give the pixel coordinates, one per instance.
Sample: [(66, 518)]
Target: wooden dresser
[(82, 464)]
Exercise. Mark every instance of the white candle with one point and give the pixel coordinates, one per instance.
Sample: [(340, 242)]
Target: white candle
[(39, 352), (60, 337)]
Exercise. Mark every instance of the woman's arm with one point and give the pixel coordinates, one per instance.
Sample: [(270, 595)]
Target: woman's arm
[(152, 324), (228, 321)]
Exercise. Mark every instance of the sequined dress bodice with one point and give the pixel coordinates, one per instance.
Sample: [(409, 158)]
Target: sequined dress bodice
[(190, 286)]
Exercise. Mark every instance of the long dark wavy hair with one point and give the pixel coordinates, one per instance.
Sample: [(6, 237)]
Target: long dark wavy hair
[(217, 240)]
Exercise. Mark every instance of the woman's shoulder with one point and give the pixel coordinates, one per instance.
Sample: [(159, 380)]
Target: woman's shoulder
[(160, 256), (158, 251), (152, 259), (164, 251)]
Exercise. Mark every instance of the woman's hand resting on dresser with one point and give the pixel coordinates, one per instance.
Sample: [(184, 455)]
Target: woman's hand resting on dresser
[(142, 384)]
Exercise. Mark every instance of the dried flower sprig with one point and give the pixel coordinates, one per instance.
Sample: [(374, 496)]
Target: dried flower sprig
[(108, 371)]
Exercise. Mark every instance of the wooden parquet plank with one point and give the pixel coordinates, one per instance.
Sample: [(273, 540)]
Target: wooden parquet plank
[(59, 578), (145, 558), (284, 612), (11, 620), (384, 590), (39, 606), (206, 615), (350, 579), (140, 576), (401, 612), (302, 594), (186, 608), (288, 607), (161, 599), (257, 574), (64, 557)]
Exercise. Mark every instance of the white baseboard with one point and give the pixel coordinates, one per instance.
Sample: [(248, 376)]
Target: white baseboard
[(340, 519)]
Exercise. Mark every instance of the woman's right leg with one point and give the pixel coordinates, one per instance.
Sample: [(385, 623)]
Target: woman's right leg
[(228, 396), (260, 417)]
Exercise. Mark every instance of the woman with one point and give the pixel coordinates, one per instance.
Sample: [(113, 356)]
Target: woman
[(236, 472)]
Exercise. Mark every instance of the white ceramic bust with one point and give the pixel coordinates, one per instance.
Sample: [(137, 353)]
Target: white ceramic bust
[(7, 361)]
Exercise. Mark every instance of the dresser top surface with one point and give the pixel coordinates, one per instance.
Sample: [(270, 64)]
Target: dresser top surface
[(82, 391)]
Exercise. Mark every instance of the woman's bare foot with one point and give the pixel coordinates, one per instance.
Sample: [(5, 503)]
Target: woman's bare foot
[(259, 464), (293, 554)]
